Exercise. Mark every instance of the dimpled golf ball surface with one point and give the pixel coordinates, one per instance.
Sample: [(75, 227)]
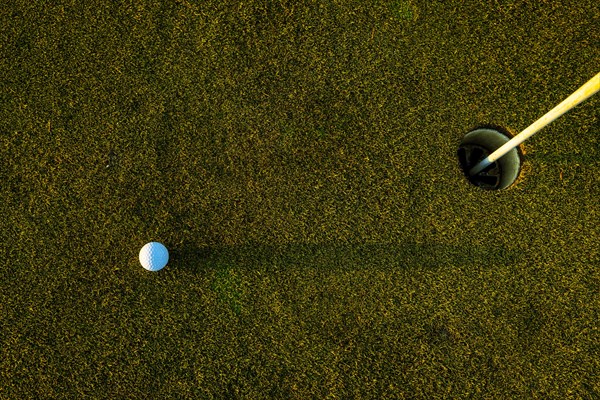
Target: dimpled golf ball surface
[(154, 256)]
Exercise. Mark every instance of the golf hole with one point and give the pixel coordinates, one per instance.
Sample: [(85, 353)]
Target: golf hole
[(480, 143)]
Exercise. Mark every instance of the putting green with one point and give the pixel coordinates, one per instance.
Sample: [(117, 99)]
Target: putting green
[(299, 162)]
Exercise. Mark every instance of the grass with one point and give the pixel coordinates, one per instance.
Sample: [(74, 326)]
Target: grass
[(404, 10), (298, 160)]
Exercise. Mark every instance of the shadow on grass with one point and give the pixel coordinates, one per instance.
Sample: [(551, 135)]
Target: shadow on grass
[(226, 265), (426, 256)]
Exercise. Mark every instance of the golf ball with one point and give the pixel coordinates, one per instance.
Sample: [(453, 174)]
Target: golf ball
[(154, 256)]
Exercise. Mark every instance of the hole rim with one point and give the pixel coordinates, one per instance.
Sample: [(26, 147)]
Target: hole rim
[(491, 177)]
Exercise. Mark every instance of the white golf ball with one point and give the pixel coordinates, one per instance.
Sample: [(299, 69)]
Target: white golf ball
[(154, 256)]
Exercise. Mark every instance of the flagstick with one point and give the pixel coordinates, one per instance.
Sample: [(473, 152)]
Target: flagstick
[(587, 90)]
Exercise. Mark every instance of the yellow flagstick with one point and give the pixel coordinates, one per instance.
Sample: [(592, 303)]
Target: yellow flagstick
[(584, 92)]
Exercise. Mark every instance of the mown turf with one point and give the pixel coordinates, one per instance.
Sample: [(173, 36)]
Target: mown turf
[(298, 159)]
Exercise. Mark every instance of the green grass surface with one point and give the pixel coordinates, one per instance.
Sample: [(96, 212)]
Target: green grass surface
[(298, 160)]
